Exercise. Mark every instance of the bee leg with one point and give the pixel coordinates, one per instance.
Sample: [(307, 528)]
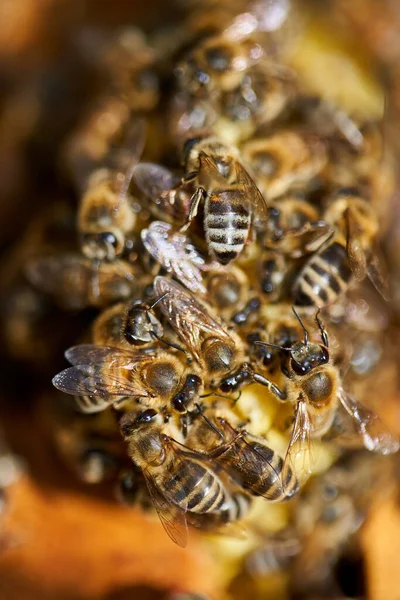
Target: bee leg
[(194, 207), (278, 393)]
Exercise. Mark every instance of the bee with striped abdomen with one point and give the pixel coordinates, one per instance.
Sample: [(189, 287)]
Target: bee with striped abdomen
[(250, 462), (103, 376), (232, 200), (351, 254), (179, 481)]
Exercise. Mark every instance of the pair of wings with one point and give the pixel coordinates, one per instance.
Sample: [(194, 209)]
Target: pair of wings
[(190, 320), (103, 372), (175, 252), (359, 426)]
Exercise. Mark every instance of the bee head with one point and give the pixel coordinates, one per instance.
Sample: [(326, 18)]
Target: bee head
[(306, 356)]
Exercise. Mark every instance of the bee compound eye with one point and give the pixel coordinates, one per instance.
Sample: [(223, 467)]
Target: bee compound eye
[(179, 403), (193, 380), (146, 416), (324, 355), (298, 368)]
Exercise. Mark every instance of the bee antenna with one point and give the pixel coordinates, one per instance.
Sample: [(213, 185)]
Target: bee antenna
[(259, 343), (207, 420), (157, 300), (302, 325), (170, 344), (324, 335)]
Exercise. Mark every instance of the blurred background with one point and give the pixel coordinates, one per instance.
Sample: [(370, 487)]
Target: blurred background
[(68, 540)]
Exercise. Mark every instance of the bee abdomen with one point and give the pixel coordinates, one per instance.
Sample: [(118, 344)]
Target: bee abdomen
[(323, 278), (269, 484), (226, 231), (196, 488)]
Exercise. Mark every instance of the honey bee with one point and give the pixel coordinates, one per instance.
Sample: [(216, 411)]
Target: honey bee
[(231, 198), (227, 290), (351, 253), (219, 355), (76, 282), (103, 376), (167, 198), (178, 481), (313, 385), (131, 63), (216, 63), (265, 90), (278, 328), (128, 324), (105, 214), (247, 458), (284, 159)]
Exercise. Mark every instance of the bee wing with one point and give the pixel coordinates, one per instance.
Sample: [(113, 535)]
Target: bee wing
[(101, 371), (172, 518), (307, 239), (256, 462), (175, 253), (188, 318), (299, 458), (377, 273), (208, 172), (258, 201), (154, 180), (355, 251), (86, 381), (373, 432), (90, 354)]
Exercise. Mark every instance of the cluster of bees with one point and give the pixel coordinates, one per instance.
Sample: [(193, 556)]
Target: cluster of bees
[(228, 224)]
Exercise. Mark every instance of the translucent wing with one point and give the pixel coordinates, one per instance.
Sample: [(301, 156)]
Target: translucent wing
[(309, 238), (172, 518), (355, 250), (90, 354), (377, 272), (373, 432), (253, 461), (125, 156), (209, 173), (299, 457), (256, 198), (154, 180), (187, 316), (104, 372), (175, 253)]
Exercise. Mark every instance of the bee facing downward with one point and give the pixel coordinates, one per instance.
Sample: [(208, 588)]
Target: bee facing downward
[(313, 384)]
